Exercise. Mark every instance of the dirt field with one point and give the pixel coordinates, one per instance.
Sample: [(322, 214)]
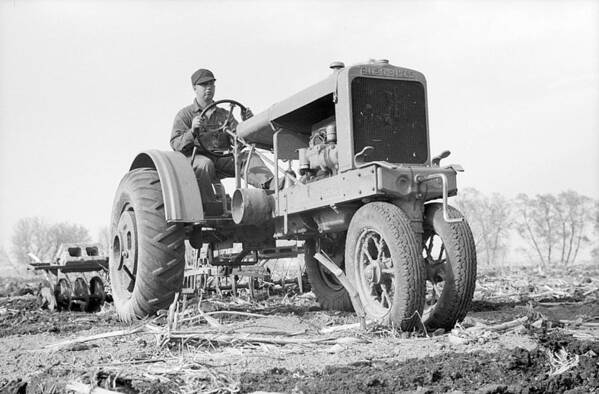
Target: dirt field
[(549, 344)]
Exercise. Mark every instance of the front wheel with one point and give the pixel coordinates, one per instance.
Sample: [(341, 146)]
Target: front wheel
[(450, 261), (147, 253), (383, 261)]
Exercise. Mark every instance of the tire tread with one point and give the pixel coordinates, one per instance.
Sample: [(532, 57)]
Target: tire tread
[(160, 256), (408, 301), (460, 240)]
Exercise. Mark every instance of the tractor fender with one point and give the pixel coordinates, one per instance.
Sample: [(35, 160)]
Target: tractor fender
[(180, 190)]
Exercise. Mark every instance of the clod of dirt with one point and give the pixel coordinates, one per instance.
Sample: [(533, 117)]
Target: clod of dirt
[(14, 387)]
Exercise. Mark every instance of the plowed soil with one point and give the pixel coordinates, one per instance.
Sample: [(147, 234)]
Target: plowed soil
[(554, 350), (505, 371)]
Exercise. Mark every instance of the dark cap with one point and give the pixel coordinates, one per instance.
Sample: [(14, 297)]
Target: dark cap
[(201, 76)]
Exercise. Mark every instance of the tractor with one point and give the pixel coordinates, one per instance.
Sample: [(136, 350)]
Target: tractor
[(355, 182)]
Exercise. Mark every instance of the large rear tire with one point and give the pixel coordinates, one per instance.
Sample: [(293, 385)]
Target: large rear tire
[(383, 261), (450, 261), (147, 254), (329, 292)]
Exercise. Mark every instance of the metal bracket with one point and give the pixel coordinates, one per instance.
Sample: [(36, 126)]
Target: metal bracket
[(353, 293), (363, 152), (444, 182)]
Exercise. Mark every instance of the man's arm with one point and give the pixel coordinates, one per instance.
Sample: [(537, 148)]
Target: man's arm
[(182, 138)]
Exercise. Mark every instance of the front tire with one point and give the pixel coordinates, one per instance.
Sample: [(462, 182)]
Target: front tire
[(450, 261), (383, 261), (147, 254)]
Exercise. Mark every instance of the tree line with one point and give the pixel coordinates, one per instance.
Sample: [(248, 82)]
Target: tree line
[(555, 228), (35, 236)]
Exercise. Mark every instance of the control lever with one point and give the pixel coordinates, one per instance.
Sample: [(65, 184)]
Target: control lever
[(437, 159)]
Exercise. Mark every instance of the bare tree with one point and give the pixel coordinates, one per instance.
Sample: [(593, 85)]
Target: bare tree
[(498, 209), (575, 214), (536, 224), (556, 226), (489, 218), (34, 235), (30, 235)]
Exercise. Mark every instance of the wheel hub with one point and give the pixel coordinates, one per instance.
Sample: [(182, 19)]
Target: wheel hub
[(126, 240), (375, 271)]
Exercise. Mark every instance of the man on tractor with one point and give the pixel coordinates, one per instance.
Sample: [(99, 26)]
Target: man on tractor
[(199, 132)]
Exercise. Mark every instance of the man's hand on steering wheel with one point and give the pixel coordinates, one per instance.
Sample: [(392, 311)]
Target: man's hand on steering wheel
[(199, 124), (246, 113)]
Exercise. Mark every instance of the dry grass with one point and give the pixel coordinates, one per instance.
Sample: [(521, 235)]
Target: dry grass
[(561, 361)]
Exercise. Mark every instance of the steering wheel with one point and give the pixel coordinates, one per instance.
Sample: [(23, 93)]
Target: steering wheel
[(219, 127), (232, 105)]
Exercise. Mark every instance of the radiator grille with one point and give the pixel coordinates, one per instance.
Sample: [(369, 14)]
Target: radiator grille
[(390, 116)]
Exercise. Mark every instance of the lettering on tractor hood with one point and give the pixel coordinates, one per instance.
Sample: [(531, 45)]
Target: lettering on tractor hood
[(387, 72)]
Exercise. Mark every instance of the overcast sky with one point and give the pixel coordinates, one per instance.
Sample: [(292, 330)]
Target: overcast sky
[(513, 86)]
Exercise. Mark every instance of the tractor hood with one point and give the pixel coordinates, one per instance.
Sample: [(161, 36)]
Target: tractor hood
[(317, 102), (260, 128)]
